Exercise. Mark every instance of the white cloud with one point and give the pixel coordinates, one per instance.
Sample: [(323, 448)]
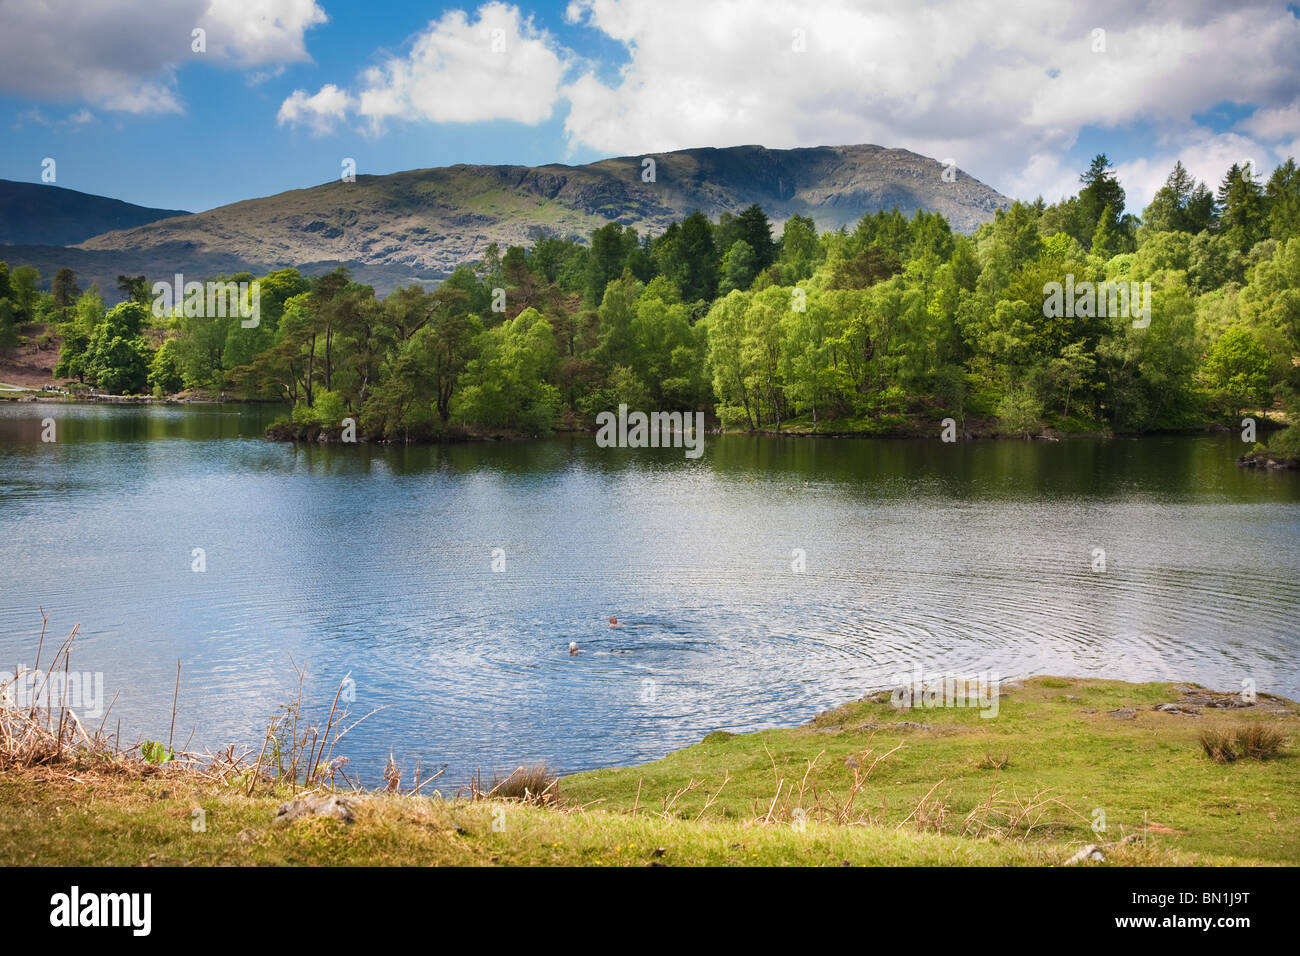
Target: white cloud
[(72, 121), (320, 113), (1045, 174), (258, 77), (1004, 92), (124, 56), (496, 66), (1207, 157), (1275, 124), (258, 32)]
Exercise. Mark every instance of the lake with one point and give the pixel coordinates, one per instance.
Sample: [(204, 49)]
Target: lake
[(378, 562)]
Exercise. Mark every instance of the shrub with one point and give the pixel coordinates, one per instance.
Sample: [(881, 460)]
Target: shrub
[(326, 411), (1259, 742), (529, 782), (1254, 741), (1286, 443), (1218, 746), (1019, 411), (155, 753)]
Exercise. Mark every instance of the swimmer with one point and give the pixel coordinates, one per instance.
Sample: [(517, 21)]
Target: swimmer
[(573, 648), (613, 621)]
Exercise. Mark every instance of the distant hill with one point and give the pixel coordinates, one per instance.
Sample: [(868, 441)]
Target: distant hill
[(41, 214), (419, 225)]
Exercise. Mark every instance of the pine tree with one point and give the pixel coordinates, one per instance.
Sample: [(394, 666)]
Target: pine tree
[(1101, 191), (1283, 196), (1202, 211), (699, 258), (753, 226), (1105, 241), (1242, 199), (1168, 209)]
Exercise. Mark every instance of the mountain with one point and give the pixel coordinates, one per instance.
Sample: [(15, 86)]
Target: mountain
[(39, 214), (419, 225)]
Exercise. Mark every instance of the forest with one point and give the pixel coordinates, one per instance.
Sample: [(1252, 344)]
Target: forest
[(887, 328)]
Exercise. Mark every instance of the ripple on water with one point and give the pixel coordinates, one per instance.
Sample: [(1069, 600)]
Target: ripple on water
[(378, 563)]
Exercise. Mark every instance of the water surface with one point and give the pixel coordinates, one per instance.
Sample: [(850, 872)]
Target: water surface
[(377, 561)]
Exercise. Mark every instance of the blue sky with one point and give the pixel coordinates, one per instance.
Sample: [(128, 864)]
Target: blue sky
[(285, 89), (228, 146)]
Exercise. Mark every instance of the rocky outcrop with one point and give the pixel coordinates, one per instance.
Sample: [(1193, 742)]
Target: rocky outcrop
[(327, 805), (1268, 461)]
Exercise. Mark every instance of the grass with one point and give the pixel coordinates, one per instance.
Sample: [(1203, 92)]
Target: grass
[(1054, 739), (852, 786), (526, 783), (1251, 741), (151, 821)]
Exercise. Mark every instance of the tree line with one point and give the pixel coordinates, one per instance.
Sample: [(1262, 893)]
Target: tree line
[(887, 327)]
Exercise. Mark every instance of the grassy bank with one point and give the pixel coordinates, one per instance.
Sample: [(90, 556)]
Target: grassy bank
[(858, 785)]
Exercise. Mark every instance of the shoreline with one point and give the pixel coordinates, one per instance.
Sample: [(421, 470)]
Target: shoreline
[(1068, 763), (295, 434), (980, 430)]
